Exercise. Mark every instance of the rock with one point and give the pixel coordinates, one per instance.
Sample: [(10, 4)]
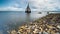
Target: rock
[(13, 32), (58, 26), (44, 25)]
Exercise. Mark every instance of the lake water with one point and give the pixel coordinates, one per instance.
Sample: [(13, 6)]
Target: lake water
[(12, 19)]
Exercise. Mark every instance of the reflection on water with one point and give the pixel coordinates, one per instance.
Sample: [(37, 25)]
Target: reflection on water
[(28, 17), (11, 20)]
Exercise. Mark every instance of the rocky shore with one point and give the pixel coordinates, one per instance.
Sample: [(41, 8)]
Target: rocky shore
[(49, 24)]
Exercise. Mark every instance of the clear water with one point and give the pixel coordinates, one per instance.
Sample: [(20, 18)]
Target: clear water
[(11, 20)]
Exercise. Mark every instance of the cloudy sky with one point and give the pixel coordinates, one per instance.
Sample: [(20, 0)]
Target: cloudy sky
[(35, 5)]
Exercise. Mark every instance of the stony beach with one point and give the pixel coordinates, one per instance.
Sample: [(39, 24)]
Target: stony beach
[(49, 24)]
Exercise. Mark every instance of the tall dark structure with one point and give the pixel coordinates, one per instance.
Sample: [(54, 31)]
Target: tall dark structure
[(28, 10)]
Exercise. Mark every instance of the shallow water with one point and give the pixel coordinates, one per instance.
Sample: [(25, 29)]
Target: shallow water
[(11, 20)]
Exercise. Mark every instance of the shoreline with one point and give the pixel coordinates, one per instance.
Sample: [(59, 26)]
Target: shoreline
[(43, 25)]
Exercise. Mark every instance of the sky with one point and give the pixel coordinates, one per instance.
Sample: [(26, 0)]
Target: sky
[(35, 5)]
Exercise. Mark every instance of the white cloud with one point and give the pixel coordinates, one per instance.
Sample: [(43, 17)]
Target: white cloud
[(36, 5), (11, 9), (16, 5), (45, 5)]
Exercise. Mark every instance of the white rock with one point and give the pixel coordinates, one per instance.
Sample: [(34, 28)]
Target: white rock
[(58, 26), (57, 33), (18, 32), (36, 31), (45, 32), (39, 32)]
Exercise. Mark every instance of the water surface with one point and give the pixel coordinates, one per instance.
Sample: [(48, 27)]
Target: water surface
[(12, 19)]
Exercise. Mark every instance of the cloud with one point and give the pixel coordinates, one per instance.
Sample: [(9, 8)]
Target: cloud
[(16, 5), (45, 5), (11, 9), (35, 5)]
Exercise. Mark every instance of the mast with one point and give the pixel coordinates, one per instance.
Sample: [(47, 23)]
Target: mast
[(28, 10)]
